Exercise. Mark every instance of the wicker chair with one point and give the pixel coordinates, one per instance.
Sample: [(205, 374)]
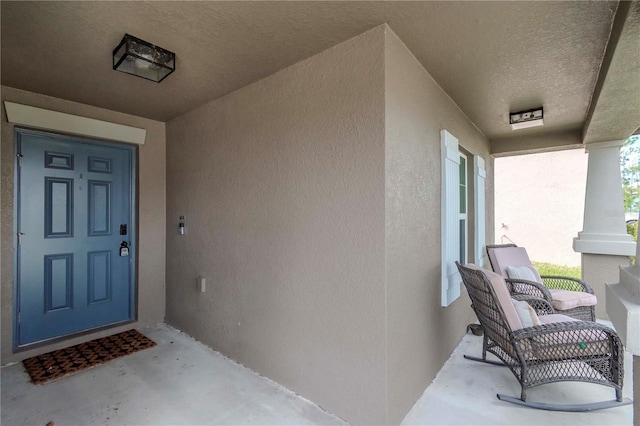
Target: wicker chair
[(569, 296), (559, 349)]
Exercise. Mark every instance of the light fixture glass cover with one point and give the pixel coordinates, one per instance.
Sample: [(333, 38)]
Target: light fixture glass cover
[(525, 119), (143, 59)]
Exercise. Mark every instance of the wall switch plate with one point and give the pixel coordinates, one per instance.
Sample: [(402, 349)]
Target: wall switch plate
[(202, 284)]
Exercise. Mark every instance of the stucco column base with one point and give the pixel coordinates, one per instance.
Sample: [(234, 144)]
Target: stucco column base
[(599, 269), (625, 316), (623, 306), (624, 310)]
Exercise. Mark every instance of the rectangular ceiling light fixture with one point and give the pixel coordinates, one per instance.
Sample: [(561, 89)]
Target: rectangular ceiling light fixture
[(524, 119), (143, 59)]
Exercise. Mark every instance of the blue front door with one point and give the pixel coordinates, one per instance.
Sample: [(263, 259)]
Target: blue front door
[(74, 253)]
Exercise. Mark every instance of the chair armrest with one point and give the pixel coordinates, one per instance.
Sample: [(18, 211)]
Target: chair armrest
[(566, 283), (540, 305), (526, 287)]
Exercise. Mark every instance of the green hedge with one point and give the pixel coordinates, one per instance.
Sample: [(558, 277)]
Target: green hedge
[(564, 271), (632, 229), (560, 270)]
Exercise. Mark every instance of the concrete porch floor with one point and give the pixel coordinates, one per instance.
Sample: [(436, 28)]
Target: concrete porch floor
[(181, 382)]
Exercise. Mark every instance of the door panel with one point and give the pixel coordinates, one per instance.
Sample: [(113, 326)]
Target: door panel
[(72, 198)]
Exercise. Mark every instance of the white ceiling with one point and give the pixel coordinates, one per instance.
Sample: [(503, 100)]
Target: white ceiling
[(490, 57)]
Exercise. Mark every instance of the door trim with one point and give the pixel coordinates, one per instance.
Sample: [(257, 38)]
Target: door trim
[(133, 232), (49, 120)]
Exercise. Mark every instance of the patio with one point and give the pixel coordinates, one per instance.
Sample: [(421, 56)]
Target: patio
[(181, 381), (306, 148)]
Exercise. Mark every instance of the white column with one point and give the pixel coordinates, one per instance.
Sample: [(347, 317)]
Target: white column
[(604, 230)]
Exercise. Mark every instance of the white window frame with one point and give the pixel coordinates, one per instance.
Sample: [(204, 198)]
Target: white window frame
[(479, 176), (451, 216)]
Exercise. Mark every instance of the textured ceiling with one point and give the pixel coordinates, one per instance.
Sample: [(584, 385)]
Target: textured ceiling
[(490, 57), (615, 110)]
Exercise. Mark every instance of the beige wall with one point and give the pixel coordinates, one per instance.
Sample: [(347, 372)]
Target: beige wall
[(320, 245), (421, 333), (151, 217), (540, 201), (597, 271), (312, 204), (636, 389), (282, 185)]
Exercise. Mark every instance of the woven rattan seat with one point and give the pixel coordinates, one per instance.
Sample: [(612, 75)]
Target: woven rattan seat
[(560, 349), (550, 285)]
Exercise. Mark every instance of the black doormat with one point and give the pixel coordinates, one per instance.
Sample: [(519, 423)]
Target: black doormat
[(63, 362)]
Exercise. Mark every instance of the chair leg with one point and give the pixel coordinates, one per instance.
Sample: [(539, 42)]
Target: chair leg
[(485, 345), (485, 360)]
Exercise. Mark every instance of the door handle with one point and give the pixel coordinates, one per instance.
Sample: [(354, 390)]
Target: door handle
[(124, 249)]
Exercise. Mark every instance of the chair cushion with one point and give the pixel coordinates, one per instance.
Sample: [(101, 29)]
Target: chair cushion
[(564, 300), (526, 313), (587, 335), (552, 318), (504, 298), (527, 272), (502, 258), (564, 344)]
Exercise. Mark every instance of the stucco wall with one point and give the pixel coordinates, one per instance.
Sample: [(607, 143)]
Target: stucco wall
[(282, 185), (636, 388), (421, 333), (540, 201), (151, 217), (598, 270)]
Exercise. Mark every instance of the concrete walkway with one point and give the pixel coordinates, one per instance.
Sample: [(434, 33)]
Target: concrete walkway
[(464, 393), (182, 382), (178, 382)]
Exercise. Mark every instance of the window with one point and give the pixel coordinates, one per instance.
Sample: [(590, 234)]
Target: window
[(479, 176), (463, 223), (462, 217)]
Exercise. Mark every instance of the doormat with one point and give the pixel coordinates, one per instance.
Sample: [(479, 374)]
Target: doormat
[(63, 362)]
